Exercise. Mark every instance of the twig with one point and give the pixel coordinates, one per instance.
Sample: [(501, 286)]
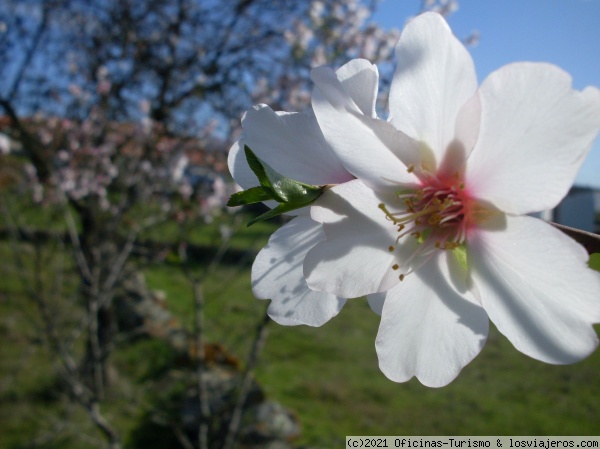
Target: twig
[(84, 396), (118, 265), (109, 432), (198, 293), (590, 241), (82, 263), (197, 285), (246, 384), (200, 356), (30, 52)]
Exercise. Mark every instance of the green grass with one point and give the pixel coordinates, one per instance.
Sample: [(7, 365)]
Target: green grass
[(328, 376)]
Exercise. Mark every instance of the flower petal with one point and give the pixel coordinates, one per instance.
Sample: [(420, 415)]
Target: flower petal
[(360, 79), (466, 134), (277, 275), (434, 78), (354, 259), (428, 329), (291, 143), (536, 287), (376, 301), (371, 149), (239, 168), (535, 132)]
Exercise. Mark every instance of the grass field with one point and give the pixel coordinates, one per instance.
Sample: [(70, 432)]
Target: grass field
[(328, 376)]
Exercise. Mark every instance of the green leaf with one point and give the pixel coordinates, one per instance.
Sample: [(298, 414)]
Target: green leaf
[(289, 193), (282, 208), (284, 190), (260, 170), (249, 196), (594, 261)]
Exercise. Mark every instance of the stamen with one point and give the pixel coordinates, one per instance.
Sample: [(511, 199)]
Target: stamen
[(434, 214)]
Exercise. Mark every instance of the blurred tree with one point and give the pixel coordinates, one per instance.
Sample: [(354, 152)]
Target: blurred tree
[(108, 101), (189, 61)]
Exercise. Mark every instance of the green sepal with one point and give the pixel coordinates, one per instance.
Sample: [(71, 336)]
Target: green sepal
[(249, 196), (460, 255), (282, 208), (289, 193), (283, 190), (594, 261), (459, 264)]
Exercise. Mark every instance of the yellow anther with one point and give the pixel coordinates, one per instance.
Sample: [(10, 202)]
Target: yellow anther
[(395, 266), (401, 277), (391, 248)]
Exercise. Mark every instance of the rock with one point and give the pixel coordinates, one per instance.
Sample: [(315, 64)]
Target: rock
[(269, 421)]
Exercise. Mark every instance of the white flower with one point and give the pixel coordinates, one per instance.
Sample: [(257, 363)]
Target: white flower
[(434, 229), (293, 145)]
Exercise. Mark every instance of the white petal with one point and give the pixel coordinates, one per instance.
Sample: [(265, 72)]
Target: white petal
[(467, 123), (535, 132), (291, 143), (354, 259), (536, 287), (277, 275), (434, 78), (466, 134), (428, 329), (239, 168), (376, 301), (360, 79), (371, 149)]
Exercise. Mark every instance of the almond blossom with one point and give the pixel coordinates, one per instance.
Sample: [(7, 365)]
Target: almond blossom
[(293, 145), (435, 229)]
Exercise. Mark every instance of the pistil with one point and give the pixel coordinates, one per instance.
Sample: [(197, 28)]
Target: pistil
[(435, 215)]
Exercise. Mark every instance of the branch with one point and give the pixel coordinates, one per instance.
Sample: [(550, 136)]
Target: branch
[(589, 240), (82, 263), (236, 417), (109, 432), (54, 341), (200, 359), (29, 54), (31, 145)]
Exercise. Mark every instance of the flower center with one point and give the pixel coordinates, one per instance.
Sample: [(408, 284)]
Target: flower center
[(437, 215)]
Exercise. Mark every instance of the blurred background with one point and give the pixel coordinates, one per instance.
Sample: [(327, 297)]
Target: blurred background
[(126, 314)]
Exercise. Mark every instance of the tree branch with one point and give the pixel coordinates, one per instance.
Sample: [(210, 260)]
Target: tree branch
[(589, 240)]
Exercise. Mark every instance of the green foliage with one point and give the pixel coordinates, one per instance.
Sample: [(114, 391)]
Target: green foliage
[(329, 375), (289, 193), (594, 261)]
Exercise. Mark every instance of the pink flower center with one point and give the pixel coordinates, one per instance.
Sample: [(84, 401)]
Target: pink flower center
[(438, 215)]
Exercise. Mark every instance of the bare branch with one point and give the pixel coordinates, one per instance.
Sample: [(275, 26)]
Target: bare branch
[(35, 40), (246, 384), (589, 240)]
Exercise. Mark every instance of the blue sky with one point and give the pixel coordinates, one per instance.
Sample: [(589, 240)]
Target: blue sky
[(562, 32)]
